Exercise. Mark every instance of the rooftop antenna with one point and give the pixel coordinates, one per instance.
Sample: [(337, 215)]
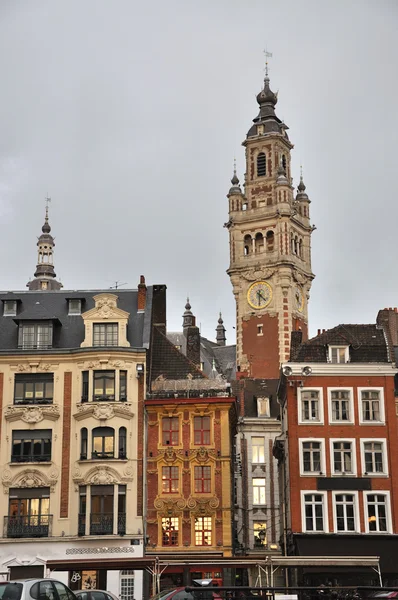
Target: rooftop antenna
[(267, 56), (117, 285)]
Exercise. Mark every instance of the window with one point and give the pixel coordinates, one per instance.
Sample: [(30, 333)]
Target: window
[(31, 446), (104, 385), (170, 480), (260, 329), (170, 431), (338, 354), (260, 534), (374, 460), (201, 427), (377, 511), (247, 245), (314, 512), (345, 512), (121, 510), (341, 408), (312, 457), (103, 442), (122, 386), (203, 531), (263, 407), (343, 457), (101, 517), (35, 388), (270, 237), (28, 512), (310, 405), (105, 334), (63, 592), (259, 491), (371, 408), (170, 528), (85, 376), (35, 336), (261, 165), (126, 591), (83, 443), (258, 450), (122, 442), (259, 243), (202, 476), (10, 308), (82, 510), (74, 306)]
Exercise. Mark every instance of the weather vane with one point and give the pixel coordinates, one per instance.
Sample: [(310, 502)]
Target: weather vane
[(47, 200), (267, 56)]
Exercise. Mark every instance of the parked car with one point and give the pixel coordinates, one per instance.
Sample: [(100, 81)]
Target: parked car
[(95, 595), (35, 589), (180, 593)]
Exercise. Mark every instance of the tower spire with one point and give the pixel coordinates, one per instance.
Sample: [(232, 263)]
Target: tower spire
[(220, 332), (44, 277)]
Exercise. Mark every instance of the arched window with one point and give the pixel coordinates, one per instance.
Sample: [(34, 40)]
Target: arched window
[(296, 245), (284, 163), (292, 242), (259, 243), (83, 443), (270, 237), (261, 165), (103, 442), (300, 248), (247, 243), (122, 442)]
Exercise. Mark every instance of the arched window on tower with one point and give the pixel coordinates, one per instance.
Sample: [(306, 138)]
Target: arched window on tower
[(296, 245), (247, 245), (261, 165), (292, 242), (300, 248), (259, 243), (270, 237), (284, 163)]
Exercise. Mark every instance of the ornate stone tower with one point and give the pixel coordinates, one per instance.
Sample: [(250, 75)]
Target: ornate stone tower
[(270, 246), (45, 274)]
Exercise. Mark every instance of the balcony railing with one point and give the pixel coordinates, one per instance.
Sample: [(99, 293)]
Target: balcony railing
[(28, 526), (17, 458), (102, 524), (18, 401), (102, 455)]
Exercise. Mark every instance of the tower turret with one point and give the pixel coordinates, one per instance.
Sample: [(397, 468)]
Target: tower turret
[(44, 277), (220, 332), (270, 247)]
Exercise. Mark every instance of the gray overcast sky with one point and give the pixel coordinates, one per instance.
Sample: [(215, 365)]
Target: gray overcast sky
[(129, 113)]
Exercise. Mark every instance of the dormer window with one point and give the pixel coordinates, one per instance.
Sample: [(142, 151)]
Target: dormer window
[(105, 334), (263, 407), (35, 336), (75, 306), (10, 308), (338, 354)]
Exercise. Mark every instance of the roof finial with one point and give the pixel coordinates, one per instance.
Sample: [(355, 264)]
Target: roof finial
[(267, 56), (47, 200), (235, 166)]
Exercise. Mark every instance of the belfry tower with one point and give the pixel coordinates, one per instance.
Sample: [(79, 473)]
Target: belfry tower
[(45, 274), (270, 246)]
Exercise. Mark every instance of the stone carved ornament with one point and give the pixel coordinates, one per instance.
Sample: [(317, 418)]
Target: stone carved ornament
[(32, 414), (258, 273), (29, 478), (101, 475), (104, 411)]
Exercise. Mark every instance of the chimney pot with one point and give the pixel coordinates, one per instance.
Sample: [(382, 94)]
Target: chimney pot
[(141, 301), (319, 332)]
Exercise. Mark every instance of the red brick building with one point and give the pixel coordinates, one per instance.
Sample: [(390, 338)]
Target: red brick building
[(338, 452)]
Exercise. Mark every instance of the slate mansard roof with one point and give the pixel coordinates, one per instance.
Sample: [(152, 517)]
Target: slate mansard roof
[(69, 329), (367, 344)]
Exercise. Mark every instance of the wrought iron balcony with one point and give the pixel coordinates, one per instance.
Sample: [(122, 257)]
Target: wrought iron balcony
[(18, 401), (101, 524), (17, 458), (104, 398), (102, 455), (28, 526)]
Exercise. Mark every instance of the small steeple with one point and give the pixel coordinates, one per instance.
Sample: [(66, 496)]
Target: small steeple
[(220, 332), (44, 277), (281, 178), (301, 193), (235, 189), (188, 317), (267, 100)]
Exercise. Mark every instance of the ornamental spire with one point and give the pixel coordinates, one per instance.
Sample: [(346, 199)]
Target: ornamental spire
[(44, 277)]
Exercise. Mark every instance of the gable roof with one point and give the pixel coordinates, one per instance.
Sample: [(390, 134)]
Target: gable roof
[(367, 343)]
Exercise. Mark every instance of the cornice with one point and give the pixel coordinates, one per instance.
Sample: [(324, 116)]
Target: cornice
[(346, 369)]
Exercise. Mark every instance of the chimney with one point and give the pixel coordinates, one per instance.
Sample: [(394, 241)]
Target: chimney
[(193, 344), (159, 307), (319, 332), (141, 294)]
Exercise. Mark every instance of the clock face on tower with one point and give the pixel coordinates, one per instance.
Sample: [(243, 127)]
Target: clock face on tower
[(298, 299), (259, 294)]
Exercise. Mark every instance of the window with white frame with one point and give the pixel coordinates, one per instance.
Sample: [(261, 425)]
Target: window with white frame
[(311, 457), (310, 409), (74, 306), (377, 512), (338, 354), (371, 406), (341, 407), (313, 512), (10, 308), (263, 407), (345, 511), (259, 491), (126, 584), (373, 457), (343, 457), (258, 450)]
